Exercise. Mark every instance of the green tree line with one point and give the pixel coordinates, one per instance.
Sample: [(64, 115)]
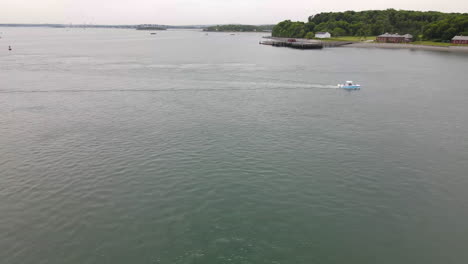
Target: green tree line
[(430, 25)]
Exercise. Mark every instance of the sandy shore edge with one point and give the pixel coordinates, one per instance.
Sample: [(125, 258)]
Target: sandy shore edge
[(409, 46)]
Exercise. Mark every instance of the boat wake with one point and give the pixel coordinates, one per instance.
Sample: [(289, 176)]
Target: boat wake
[(199, 85), (326, 86)]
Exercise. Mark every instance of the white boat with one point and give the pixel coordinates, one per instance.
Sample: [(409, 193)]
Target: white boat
[(349, 85)]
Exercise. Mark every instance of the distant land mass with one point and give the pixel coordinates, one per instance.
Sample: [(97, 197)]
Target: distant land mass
[(240, 28), (151, 27), (225, 28), (103, 26), (68, 25), (430, 25)]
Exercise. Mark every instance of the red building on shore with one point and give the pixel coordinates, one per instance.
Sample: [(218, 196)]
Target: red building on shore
[(394, 38), (460, 40)]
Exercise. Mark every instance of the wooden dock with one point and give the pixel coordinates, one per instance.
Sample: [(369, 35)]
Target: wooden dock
[(292, 43), (301, 43)]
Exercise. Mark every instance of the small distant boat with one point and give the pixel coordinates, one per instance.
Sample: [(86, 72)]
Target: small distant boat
[(153, 33), (350, 86)]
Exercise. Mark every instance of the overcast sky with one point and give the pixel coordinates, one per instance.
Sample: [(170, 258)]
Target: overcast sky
[(185, 12)]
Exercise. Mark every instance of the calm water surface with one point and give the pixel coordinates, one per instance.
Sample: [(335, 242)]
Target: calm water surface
[(117, 146)]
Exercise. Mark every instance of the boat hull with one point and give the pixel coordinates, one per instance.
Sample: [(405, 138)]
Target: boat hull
[(350, 87)]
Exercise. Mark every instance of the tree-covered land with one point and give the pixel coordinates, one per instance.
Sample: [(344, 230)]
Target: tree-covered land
[(431, 25), (240, 28)]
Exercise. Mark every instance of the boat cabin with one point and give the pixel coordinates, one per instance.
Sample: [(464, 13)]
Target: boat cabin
[(349, 85)]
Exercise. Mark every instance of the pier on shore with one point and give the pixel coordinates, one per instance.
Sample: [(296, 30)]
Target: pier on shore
[(301, 43)]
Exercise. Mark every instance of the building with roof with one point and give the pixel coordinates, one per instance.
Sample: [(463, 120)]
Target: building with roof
[(394, 38), (322, 35), (460, 40)]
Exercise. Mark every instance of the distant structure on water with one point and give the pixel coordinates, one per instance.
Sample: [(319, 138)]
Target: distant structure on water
[(394, 38), (322, 35), (293, 43), (460, 40)]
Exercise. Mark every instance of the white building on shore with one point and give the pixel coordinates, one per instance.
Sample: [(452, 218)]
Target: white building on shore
[(322, 35)]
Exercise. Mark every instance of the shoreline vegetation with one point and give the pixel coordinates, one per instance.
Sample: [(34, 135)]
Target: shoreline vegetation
[(428, 28)]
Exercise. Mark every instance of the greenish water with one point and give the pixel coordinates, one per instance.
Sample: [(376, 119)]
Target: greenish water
[(118, 146)]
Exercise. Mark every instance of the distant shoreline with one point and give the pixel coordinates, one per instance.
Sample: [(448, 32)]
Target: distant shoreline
[(409, 46), (94, 26), (227, 31)]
